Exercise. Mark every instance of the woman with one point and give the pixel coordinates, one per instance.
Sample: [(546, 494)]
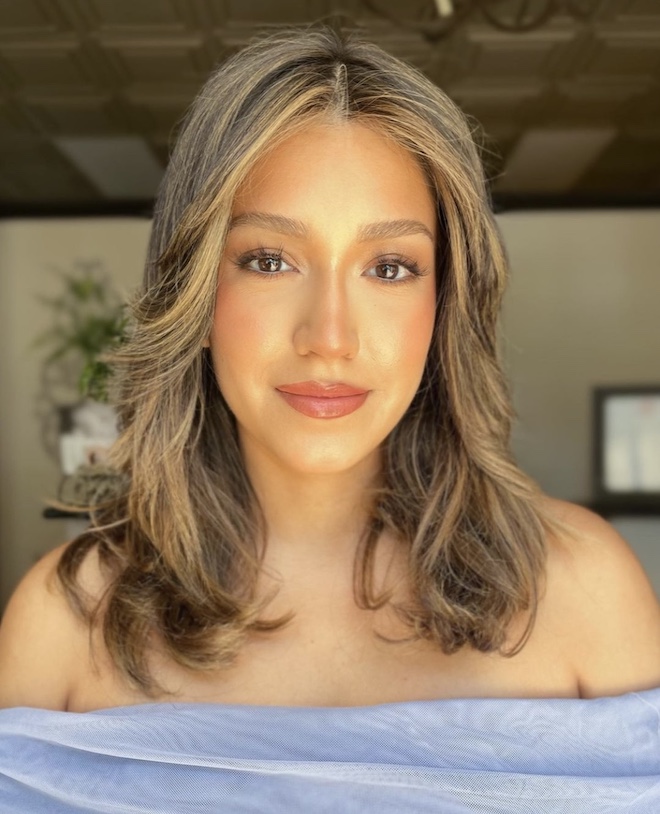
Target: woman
[(319, 506)]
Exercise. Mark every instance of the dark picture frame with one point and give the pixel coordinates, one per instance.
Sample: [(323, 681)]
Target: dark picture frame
[(626, 446)]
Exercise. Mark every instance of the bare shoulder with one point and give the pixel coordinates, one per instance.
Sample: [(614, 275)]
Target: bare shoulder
[(41, 638), (613, 609)]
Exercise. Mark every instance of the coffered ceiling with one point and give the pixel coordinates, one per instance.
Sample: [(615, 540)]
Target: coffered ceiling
[(91, 92)]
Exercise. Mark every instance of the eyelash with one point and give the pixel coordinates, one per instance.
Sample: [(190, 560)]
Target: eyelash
[(261, 253)]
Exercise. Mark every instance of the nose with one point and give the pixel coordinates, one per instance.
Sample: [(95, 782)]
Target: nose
[(326, 326)]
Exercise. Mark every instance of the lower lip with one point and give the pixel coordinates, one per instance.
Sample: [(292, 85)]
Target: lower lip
[(324, 407)]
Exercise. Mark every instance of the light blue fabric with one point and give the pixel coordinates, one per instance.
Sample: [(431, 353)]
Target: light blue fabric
[(447, 757)]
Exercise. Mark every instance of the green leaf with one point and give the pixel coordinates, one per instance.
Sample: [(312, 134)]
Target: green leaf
[(90, 320)]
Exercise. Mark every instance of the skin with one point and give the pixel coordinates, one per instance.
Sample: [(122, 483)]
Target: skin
[(329, 316)]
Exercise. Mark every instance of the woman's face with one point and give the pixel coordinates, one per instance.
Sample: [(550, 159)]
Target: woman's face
[(327, 277)]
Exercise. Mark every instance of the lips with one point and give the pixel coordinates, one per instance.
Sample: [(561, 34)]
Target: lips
[(321, 390), (321, 400)]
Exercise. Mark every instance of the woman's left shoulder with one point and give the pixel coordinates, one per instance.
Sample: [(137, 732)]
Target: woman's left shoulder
[(614, 624)]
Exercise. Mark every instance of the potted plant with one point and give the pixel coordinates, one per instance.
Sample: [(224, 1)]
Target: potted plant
[(89, 319)]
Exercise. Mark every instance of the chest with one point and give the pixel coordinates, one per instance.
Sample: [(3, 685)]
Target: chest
[(322, 664)]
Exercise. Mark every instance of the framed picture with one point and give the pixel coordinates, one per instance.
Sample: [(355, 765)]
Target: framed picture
[(627, 445)]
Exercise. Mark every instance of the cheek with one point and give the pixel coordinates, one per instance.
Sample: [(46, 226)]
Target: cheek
[(420, 328), (242, 332), (407, 333)]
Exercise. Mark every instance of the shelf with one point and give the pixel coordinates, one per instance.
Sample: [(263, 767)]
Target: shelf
[(631, 507), (51, 513)]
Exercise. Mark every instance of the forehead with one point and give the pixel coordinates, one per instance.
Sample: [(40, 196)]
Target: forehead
[(338, 161)]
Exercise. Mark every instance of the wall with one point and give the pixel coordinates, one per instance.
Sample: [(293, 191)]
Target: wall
[(581, 309), (29, 250)]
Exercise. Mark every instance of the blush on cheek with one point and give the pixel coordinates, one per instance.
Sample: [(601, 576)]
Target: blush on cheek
[(234, 319), (241, 333), (417, 328)]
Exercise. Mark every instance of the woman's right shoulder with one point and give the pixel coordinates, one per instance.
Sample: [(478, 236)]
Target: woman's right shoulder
[(42, 639)]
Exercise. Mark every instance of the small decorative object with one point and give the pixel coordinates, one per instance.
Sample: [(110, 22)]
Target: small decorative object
[(627, 445), (89, 321), (90, 485), (91, 428)]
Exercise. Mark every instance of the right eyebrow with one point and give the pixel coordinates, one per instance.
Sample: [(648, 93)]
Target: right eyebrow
[(278, 223)]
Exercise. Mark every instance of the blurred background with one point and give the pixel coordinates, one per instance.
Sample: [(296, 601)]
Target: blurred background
[(566, 97)]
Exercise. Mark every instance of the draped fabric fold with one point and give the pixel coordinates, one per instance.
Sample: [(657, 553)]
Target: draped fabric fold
[(454, 756)]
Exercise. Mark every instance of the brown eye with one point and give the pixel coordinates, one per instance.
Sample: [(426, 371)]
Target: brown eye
[(397, 269), (388, 271), (269, 264), (265, 262)]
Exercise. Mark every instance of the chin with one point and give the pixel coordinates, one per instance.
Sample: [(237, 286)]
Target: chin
[(325, 462), (334, 466)]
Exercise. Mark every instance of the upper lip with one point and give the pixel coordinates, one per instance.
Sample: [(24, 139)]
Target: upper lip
[(325, 390)]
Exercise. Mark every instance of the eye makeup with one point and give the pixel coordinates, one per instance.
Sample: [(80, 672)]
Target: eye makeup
[(267, 263)]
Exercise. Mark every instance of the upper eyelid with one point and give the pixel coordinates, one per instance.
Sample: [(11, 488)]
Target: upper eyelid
[(260, 251), (384, 257)]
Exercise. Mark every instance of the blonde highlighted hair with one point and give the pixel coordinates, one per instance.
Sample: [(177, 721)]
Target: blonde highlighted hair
[(183, 542)]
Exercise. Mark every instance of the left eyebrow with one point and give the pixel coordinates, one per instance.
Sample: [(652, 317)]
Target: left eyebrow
[(393, 228), (368, 231)]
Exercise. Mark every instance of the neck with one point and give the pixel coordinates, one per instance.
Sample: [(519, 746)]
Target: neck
[(314, 523), (313, 519)]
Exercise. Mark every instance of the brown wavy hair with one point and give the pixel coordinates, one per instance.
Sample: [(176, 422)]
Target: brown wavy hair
[(183, 542)]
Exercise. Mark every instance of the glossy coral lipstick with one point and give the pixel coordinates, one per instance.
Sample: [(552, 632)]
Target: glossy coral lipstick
[(323, 400)]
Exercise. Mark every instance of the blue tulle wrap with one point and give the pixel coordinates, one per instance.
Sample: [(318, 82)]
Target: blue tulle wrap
[(450, 756)]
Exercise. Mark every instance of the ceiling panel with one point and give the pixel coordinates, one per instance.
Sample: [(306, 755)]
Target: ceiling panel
[(149, 15), (28, 16), (495, 54), (84, 115), (38, 171), (159, 60), (630, 161), (50, 62)]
